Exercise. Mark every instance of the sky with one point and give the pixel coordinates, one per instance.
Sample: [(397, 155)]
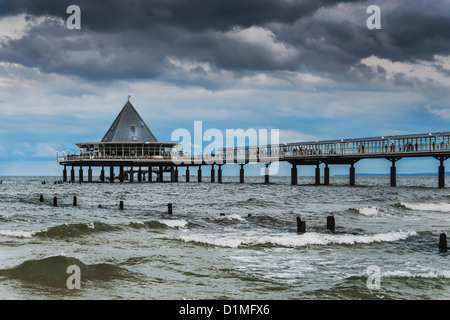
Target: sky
[(309, 68)]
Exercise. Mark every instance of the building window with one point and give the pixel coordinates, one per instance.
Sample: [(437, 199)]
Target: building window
[(133, 128)]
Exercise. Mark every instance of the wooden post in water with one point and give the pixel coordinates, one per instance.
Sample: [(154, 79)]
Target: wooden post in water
[(443, 243), (330, 222), (55, 200), (169, 208), (41, 198), (241, 174), (75, 200), (188, 174), (301, 225)]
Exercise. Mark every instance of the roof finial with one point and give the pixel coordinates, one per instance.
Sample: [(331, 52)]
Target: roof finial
[(129, 96)]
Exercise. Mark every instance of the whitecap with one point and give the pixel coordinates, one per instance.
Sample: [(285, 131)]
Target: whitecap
[(441, 207)]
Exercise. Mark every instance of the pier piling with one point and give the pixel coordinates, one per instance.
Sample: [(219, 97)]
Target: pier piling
[(121, 205), (352, 174), (41, 198), (294, 175), (169, 208), (317, 174), (219, 174), (326, 175), (55, 200)]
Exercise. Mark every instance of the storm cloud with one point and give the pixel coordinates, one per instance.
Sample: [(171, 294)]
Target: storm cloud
[(181, 40)]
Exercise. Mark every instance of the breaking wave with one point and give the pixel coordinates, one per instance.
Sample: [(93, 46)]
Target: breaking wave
[(294, 240), (75, 230), (441, 207)]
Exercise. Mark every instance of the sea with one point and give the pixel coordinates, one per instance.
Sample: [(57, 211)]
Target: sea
[(224, 241)]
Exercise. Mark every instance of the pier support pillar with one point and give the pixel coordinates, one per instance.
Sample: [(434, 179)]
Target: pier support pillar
[(111, 174), (219, 174), (131, 174), (72, 175), (318, 174), (176, 174), (393, 172), (326, 175), (352, 174), (188, 174), (80, 175), (140, 175), (266, 174), (241, 174), (90, 174), (213, 174), (65, 174), (150, 174), (172, 174), (199, 174), (294, 174), (102, 174), (441, 175), (161, 174), (121, 174)]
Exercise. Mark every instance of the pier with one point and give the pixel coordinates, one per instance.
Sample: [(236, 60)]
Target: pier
[(130, 152)]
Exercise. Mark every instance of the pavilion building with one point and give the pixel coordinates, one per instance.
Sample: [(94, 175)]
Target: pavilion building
[(128, 145)]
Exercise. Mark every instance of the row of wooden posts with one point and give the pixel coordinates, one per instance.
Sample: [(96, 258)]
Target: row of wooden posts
[(301, 225)]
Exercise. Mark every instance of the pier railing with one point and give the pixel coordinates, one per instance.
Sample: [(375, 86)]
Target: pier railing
[(359, 148)]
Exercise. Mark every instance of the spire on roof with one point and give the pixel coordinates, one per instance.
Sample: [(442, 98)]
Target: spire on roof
[(129, 127)]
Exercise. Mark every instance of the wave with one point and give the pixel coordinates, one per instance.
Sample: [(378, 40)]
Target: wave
[(52, 271), (441, 207), (75, 230), (294, 240), (17, 233), (229, 217), (433, 274)]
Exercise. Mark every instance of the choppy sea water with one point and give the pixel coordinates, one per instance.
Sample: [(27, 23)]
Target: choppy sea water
[(210, 248)]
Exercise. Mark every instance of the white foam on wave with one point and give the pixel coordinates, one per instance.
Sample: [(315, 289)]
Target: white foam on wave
[(174, 223), (294, 240), (369, 211), (441, 207), (432, 274), (234, 216), (17, 233)]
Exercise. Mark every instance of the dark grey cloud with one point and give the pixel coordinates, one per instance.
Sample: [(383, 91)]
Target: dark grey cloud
[(134, 39)]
